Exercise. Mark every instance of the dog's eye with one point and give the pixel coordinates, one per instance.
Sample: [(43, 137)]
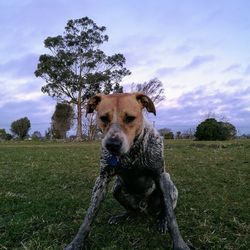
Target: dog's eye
[(129, 119), (104, 119)]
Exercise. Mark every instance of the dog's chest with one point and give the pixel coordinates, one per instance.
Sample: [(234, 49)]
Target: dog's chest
[(136, 180)]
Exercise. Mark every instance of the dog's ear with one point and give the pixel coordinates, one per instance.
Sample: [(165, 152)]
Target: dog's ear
[(92, 103), (146, 102)]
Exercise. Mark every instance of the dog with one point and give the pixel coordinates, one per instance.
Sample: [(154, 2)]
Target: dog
[(132, 150)]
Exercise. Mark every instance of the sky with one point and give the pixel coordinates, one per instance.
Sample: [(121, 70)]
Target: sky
[(200, 50)]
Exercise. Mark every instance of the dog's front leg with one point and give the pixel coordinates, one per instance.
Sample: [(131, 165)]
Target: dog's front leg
[(165, 184), (98, 194)]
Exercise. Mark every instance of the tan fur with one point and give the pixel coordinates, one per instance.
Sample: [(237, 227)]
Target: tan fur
[(117, 108)]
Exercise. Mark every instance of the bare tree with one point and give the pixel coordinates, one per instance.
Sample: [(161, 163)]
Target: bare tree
[(90, 127), (153, 88)]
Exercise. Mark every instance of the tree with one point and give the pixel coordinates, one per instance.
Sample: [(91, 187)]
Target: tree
[(230, 130), (76, 68), (9, 137), (188, 134), (90, 127), (178, 135), (62, 120), (169, 135), (21, 127), (211, 129), (3, 134), (153, 88), (166, 133), (36, 135), (48, 134)]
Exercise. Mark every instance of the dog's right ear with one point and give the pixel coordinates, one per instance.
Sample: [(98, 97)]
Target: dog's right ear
[(92, 103)]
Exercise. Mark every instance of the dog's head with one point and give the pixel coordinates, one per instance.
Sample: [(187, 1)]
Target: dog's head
[(120, 118)]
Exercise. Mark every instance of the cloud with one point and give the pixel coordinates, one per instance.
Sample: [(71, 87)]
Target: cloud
[(182, 49), (232, 68), (39, 112), (20, 67), (192, 107), (166, 71), (247, 71), (235, 82), (197, 61), (18, 90)]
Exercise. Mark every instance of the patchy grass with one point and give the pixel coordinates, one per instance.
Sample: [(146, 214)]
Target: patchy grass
[(45, 190)]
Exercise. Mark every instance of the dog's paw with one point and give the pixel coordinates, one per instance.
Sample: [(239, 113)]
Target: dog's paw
[(71, 247), (163, 225)]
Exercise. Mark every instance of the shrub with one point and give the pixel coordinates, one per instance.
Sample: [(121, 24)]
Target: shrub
[(211, 129)]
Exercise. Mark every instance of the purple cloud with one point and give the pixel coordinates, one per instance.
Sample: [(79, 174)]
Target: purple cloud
[(195, 63), (21, 67), (182, 49), (235, 82), (232, 68), (198, 61), (193, 106), (165, 71), (38, 111), (247, 71)]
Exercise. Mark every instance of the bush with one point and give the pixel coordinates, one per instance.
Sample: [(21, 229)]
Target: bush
[(211, 129), (169, 135), (21, 127), (166, 133)]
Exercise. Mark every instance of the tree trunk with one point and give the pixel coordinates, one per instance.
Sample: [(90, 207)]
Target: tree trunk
[(79, 116), (91, 127)]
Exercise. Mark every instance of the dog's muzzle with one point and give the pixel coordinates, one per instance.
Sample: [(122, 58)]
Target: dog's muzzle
[(113, 145), (115, 140)]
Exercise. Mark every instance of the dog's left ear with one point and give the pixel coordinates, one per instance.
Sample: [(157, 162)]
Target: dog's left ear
[(92, 103), (146, 102)]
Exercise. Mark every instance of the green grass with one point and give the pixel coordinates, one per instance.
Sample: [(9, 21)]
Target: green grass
[(45, 190)]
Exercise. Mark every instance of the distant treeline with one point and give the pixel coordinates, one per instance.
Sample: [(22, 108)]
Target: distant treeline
[(62, 120)]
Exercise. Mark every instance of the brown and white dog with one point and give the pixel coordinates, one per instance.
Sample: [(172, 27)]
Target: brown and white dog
[(132, 150)]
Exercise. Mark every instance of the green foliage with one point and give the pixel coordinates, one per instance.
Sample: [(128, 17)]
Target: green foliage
[(169, 135), (62, 120), (3, 134), (21, 127), (8, 137), (229, 130), (76, 69), (166, 133), (211, 129)]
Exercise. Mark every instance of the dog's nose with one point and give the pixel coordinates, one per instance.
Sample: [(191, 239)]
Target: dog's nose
[(113, 145)]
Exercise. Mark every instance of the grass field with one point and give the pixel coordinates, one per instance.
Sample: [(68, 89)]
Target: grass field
[(45, 190)]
